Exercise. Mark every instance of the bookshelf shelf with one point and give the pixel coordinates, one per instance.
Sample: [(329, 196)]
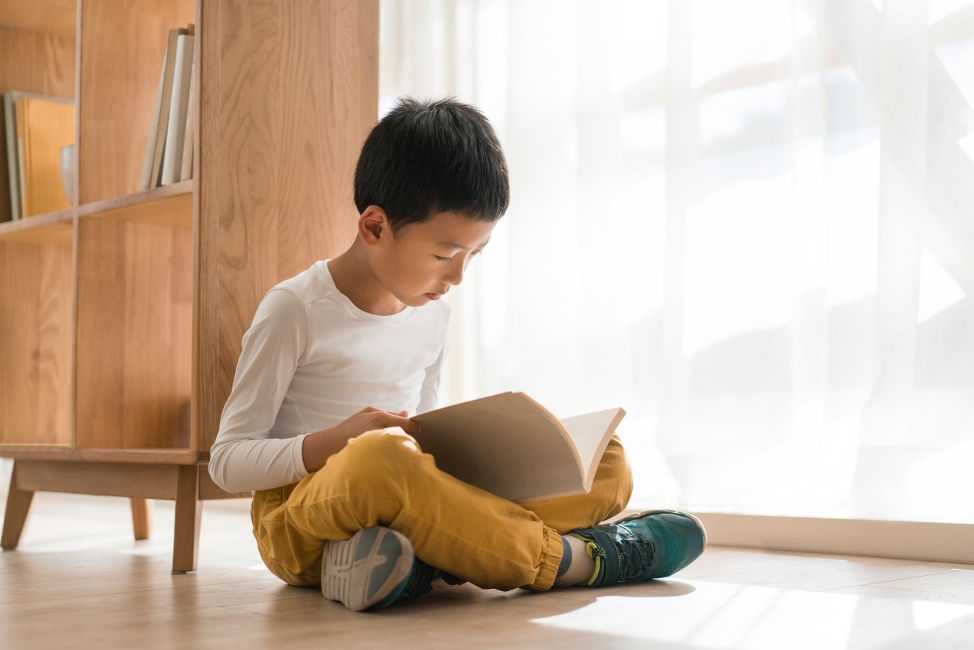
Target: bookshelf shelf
[(121, 319), (145, 456), (50, 228), (171, 205), (48, 16)]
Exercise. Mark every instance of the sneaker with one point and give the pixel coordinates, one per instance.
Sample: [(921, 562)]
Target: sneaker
[(652, 544), (373, 569)]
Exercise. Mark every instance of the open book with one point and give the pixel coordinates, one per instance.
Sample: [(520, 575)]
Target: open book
[(513, 447)]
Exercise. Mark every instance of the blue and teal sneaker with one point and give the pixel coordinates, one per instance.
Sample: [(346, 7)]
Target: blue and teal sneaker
[(373, 569), (652, 544)]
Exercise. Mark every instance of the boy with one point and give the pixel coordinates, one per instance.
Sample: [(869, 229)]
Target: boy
[(362, 511)]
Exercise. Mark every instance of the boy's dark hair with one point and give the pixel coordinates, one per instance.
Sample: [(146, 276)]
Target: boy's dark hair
[(432, 156)]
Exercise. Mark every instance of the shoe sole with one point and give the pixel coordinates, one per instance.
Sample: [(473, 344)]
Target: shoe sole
[(361, 571), (695, 519)]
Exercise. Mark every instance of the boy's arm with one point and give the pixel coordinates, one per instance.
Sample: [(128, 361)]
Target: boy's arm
[(243, 457)]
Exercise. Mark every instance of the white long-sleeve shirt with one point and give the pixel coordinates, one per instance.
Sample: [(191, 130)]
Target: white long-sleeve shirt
[(310, 360)]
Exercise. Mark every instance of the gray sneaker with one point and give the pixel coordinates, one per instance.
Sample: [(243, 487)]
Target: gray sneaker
[(373, 569)]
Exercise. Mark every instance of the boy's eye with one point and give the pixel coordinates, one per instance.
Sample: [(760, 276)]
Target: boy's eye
[(442, 259)]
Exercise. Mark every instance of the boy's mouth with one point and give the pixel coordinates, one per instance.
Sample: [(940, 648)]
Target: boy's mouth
[(434, 296)]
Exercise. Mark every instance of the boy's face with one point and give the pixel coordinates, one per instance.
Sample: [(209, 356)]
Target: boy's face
[(423, 260)]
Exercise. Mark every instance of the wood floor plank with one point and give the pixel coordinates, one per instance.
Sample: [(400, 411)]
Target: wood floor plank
[(79, 580), (825, 573)]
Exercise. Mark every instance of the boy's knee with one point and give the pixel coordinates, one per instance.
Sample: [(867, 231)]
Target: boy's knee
[(377, 456), (382, 446), (616, 476)]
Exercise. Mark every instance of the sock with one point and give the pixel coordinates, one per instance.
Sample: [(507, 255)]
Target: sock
[(576, 566)]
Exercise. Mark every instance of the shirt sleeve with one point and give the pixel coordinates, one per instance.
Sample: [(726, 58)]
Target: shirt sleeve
[(431, 384), (244, 457)]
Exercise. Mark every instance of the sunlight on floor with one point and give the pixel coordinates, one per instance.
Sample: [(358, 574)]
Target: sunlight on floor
[(723, 616)]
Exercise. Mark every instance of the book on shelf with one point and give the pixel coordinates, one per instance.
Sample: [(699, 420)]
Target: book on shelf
[(173, 149), (163, 160), (36, 128), (511, 446), (186, 169)]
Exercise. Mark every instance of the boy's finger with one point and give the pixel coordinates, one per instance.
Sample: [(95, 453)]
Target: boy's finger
[(407, 425)]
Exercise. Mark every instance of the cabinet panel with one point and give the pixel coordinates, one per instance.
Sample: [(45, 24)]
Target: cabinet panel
[(289, 91), (134, 329), (35, 343)]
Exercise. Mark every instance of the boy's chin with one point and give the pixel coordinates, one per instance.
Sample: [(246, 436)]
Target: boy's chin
[(414, 301), (423, 299)]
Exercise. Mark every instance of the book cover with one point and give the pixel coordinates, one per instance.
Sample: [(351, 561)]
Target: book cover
[(145, 179), (44, 126), (13, 162), (179, 102), (162, 126), (13, 150), (511, 446), (186, 170)]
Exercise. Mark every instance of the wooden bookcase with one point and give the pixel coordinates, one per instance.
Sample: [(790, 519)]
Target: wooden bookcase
[(121, 318)]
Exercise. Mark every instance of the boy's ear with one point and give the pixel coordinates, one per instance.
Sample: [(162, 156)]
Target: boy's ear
[(373, 224)]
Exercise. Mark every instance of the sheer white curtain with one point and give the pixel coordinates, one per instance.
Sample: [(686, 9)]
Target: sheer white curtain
[(749, 223)]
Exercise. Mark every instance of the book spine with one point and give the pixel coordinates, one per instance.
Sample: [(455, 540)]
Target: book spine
[(22, 212), (145, 180), (12, 157), (22, 156), (164, 105), (173, 155), (186, 172)]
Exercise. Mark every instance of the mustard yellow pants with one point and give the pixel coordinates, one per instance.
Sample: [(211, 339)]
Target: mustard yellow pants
[(382, 478)]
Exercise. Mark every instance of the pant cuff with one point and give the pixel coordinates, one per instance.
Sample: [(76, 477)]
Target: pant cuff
[(550, 559)]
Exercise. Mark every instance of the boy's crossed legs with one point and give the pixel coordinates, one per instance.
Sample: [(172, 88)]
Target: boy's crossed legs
[(383, 479)]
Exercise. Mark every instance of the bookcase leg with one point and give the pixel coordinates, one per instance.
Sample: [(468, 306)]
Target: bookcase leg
[(189, 511), (18, 504), (141, 518)]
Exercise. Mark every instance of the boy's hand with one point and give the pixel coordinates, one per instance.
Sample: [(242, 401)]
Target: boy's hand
[(370, 419), (318, 447)]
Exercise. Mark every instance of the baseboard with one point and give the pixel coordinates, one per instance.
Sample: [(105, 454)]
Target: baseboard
[(928, 541)]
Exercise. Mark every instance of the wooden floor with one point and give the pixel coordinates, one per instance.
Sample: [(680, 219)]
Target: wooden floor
[(79, 581)]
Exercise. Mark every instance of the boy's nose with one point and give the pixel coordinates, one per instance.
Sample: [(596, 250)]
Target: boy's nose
[(455, 276)]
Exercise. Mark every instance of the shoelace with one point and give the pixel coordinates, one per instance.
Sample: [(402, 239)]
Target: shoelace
[(635, 554)]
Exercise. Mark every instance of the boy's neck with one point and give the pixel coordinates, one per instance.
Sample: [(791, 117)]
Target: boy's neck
[(353, 276)]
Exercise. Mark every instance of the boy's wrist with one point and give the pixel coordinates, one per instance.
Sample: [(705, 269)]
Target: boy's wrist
[(318, 447)]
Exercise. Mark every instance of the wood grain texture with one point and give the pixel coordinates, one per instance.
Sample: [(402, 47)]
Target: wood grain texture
[(288, 92), (35, 345), (171, 205), (138, 456), (186, 528), (52, 16), (15, 516), (33, 62), (134, 329), (106, 479), (141, 518), (51, 228), (118, 80)]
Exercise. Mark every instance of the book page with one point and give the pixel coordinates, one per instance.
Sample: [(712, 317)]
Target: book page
[(590, 433), (503, 444)]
